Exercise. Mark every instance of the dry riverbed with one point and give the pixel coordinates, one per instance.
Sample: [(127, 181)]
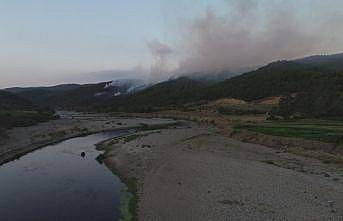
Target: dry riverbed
[(188, 171), (191, 172)]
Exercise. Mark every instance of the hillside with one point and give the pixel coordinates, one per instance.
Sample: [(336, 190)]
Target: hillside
[(9, 101), (274, 79), (317, 80), (74, 96), (166, 94), (16, 111)]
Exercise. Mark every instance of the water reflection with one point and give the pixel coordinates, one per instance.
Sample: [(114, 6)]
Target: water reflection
[(57, 183)]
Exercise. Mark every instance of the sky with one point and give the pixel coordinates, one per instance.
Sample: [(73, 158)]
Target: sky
[(47, 42)]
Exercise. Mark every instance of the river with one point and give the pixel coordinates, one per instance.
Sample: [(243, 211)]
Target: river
[(57, 183)]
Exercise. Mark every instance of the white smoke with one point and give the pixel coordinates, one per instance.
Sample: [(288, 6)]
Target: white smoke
[(252, 33), (161, 67)]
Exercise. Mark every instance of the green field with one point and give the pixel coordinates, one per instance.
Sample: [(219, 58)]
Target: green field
[(329, 131), (10, 119)]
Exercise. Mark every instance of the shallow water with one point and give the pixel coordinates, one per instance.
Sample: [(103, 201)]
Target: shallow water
[(56, 183)]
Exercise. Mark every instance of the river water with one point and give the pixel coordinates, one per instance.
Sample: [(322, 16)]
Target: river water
[(57, 184)]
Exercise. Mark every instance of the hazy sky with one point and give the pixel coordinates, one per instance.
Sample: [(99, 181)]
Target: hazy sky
[(44, 42)]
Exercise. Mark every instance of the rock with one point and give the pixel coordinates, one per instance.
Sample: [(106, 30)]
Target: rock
[(326, 175)]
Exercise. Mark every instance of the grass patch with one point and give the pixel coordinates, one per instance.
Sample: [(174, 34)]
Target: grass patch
[(131, 184), (322, 130), (128, 207), (125, 213)]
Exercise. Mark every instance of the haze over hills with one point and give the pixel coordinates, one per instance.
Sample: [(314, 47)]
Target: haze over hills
[(77, 95), (308, 77)]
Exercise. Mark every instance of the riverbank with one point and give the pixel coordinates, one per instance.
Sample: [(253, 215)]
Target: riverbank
[(191, 172), (22, 140), (234, 126)]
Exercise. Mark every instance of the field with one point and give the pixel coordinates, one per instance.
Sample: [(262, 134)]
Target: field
[(329, 131), (10, 119)]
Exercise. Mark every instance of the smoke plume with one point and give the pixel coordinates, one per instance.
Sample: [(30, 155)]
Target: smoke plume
[(251, 33), (160, 69)]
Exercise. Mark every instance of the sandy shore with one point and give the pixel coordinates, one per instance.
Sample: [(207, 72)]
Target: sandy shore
[(191, 173), (26, 139)]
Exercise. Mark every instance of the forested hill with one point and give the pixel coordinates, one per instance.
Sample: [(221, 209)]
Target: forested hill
[(165, 94), (317, 80), (9, 101), (16, 111), (276, 79)]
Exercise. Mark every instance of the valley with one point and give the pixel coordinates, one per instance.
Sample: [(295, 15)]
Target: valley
[(157, 110), (235, 149)]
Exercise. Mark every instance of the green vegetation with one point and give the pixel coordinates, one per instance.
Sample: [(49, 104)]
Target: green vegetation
[(316, 82), (131, 184), (315, 85), (125, 211), (10, 119), (165, 95), (129, 205), (329, 131), (19, 112), (9, 101)]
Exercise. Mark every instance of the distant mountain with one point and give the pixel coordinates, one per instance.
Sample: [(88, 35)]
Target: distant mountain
[(71, 96), (62, 87)]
